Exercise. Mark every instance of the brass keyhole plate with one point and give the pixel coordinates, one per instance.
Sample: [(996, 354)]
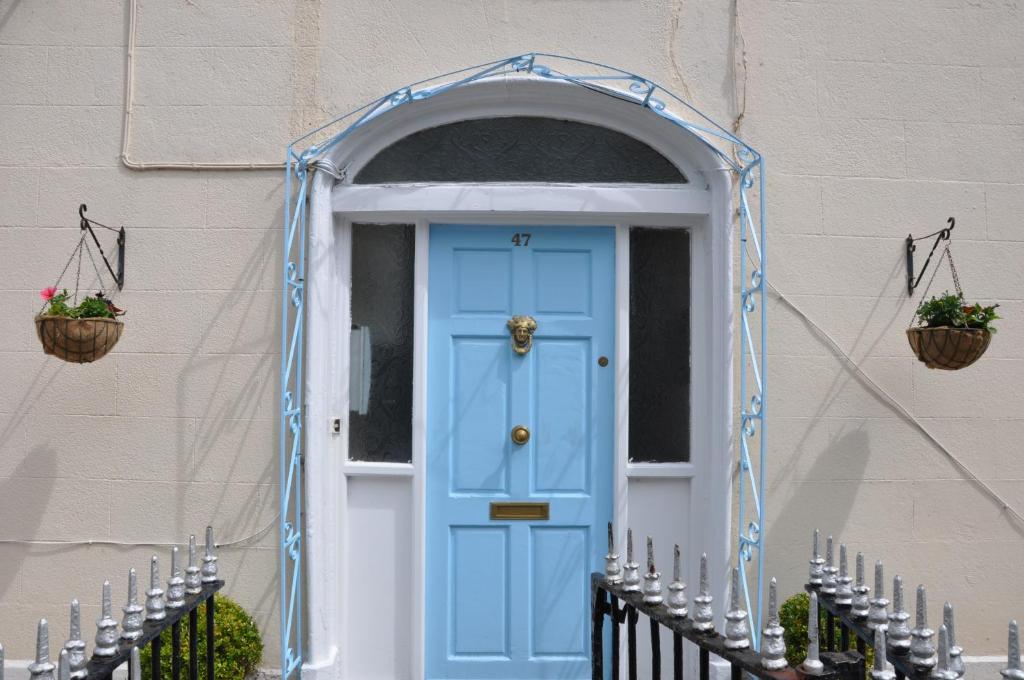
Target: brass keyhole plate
[(520, 435)]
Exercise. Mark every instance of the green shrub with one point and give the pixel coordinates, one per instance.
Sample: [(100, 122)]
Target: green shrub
[(793, 618), (238, 646)]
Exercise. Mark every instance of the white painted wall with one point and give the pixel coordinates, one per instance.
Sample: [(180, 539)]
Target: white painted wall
[(877, 119)]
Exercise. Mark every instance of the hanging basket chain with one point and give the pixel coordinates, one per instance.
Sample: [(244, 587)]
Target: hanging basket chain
[(99, 275), (952, 268)]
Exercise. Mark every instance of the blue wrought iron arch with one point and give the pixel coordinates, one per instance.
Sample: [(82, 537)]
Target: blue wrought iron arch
[(742, 159)]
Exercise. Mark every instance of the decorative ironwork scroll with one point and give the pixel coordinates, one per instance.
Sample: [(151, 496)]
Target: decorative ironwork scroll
[(651, 99)]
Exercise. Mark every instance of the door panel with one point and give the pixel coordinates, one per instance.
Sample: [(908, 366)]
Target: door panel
[(510, 598)]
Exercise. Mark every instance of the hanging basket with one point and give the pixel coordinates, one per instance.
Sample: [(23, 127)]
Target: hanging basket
[(79, 341), (948, 348)]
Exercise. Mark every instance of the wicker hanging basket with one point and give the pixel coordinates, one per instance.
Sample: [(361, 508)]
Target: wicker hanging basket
[(79, 341), (948, 348)]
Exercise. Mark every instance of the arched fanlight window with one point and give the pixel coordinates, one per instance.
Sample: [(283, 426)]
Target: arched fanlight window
[(520, 149)]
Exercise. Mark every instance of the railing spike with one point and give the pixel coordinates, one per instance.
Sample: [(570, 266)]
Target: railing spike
[(42, 667), (773, 640), (175, 584), (193, 580), (844, 591), (829, 571), (817, 563), (156, 608), (209, 569), (956, 662), (652, 579), (898, 633), (812, 664), (703, 616), (75, 646), (676, 603), (1013, 669), (879, 671), (737, 627), (942, 670), (131, 622), (106, 627), (631, 570), (861, 604), (878, 615), (63, 666), (1, 662), (922, 649)]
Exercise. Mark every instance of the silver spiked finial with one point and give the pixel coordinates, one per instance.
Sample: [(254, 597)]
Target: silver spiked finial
[(773, 643), (1013, 670), (878, 615), (703, 616), (612, 569), (131, 622), (631, 570), (942, 669), (861, 605), (156, 609), (652, 579), (676, 603), (209, 568), (898, 633), (106, 628), (42, 668), (75, 646), (817, 564), (737, 628), (175, 584), (829, 571), (135, 665), (193, 581), (63, 666), (844, 591), (956, 662), (922, 649), (812, 664), (879, 671)]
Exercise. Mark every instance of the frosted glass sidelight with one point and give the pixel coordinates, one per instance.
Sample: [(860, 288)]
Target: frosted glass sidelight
[(380, 409), (659, 345)]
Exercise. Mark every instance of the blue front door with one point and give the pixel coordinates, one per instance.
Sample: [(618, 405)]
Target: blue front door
[(509, 598)]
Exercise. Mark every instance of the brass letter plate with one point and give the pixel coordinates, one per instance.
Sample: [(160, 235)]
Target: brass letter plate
[(539, 511)]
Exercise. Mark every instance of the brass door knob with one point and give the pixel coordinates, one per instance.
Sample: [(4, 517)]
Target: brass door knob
[(520, 435)]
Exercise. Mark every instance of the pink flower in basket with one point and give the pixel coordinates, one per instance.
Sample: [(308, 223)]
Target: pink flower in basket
[(48, 293)]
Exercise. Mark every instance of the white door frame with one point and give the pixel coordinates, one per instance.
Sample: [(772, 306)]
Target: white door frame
[(703, 206)]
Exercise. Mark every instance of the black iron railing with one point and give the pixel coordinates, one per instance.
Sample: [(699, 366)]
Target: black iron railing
[(855, 632), (102, 668), (623, 608)]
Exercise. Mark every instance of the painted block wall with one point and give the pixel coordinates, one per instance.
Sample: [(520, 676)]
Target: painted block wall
[(876, 118)]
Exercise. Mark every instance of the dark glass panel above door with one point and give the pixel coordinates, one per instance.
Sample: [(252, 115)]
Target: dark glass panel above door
[(380, 384), (520, 149), (659, 345)]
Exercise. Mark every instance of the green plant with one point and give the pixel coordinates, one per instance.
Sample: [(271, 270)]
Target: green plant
[(950, 310), (238, 646), (91, 307), (793, 618)]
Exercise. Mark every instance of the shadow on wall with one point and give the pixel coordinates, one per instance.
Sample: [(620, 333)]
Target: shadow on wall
[(245, 365), (39, 461)]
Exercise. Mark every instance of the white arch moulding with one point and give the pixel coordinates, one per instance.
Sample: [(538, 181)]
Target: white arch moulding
[(726, 177)]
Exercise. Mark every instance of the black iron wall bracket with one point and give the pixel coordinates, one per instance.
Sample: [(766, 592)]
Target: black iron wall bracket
[(940, 236), (87, 225)]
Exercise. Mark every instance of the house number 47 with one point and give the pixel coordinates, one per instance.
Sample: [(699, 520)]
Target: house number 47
[(522, 239)]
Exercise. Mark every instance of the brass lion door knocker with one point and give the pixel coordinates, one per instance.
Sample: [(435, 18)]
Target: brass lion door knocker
[(522, 328)]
